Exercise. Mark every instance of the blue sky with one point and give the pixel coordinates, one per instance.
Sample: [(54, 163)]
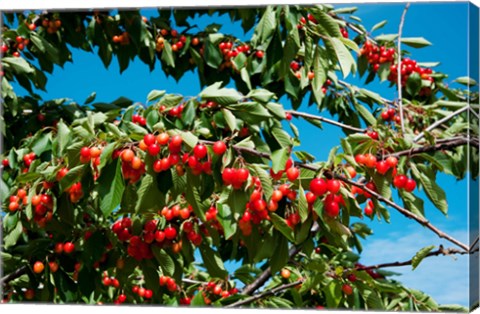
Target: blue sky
[(443, 24)]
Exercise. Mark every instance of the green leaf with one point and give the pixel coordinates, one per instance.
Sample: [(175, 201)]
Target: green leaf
[(63, 137), (18, 65), (434, 192), (333, 294), (111, 187), (164, 260), (213, 262), (265, 27), (226, 219), (90, 98), (281, 225), (365, 114), (378, 25), (279, 158), (415, 42), (302, 204), (73, 175), (11, 238), (282, 137), (230, 119), (167, 54), (281, 257), (345, 58), (261, 95), (222, 96), (276, 109), (465, 80), (149, 195), (155, 94), (417, 259), (265, 179), (414, 84)]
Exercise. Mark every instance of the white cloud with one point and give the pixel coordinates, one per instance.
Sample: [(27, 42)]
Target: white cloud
[(443, 277)]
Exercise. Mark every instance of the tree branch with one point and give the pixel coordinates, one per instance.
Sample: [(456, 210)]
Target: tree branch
[(421, 220), (264, 294), (14, 275), (399, 67), (440, 251), (439, 122), (442, 145), (333, 122)]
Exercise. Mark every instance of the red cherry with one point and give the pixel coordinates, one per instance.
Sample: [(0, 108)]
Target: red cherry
[(392, 161), (410, 185), (385, 116), (333, 186), (318, 186), (149, 139), (399, 181), (382, 167), (370, 161), (200, 151), (148, 294), (85, 152), (332, 209), (292, 174), (5, 162), (347, 289), (170, 233), (68, 247), (153, 149), (176, 140), (259, 54), (228, 175), (219, 148), (360, 159), (242, 174)]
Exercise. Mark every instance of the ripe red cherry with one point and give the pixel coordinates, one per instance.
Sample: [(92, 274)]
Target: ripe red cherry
[(370, 161), (347, 289), (176, 140), (360, 159), (154, 149), (259, 54), (148, 294), (5, 162), (385, 116), (219, 148), (242, 174), (292, 174), (200, 151), (68, 247), (149, 139), (170, 233), (410, 185), (318, 186), (368, 210), (392, 161), (382, 167), (332, 209), (228, 175), (85, 152), (399, 181), (333, 186)]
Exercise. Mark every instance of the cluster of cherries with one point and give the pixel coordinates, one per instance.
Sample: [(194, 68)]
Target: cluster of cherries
[(14, 47), (139, 119), (177, 42), (175, 112), (407, 68), (27, 161), (142, 292), (168, 282), (390, 115), (51, 25), (235, 177), (331, 203), (377, 55)]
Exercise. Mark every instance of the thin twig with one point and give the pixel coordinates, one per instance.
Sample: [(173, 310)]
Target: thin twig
[(421, 220), (264, 294), (333, 122), (440, 122), (399, 67), (440, 145), (440, 251)]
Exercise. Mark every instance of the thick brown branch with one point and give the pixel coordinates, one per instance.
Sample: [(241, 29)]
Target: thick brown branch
[(421, 220), (319, 118), (14, 275), (399, 67), (264, 294), (440, 251)]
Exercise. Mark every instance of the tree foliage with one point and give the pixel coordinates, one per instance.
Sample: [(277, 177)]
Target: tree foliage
[(124, 202)]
